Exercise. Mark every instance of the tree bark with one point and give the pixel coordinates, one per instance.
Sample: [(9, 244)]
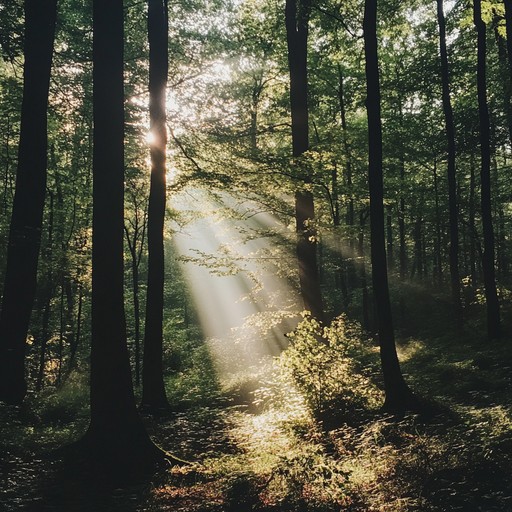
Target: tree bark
[(398, 395), (153, 388), (452, 179), (27, 213), (297, 18), (491, 295)]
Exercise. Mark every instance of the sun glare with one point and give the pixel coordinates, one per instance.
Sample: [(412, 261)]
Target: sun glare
[(150, 138)]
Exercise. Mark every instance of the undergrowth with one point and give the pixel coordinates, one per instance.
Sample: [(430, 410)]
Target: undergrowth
[(302, 433)]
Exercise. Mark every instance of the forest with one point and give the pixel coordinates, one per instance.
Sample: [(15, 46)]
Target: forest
[(255, 255)]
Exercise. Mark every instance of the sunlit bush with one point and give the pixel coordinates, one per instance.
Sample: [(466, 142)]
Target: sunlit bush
[(330, 367)]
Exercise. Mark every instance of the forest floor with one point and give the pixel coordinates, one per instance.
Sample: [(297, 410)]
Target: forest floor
[(255, 446)]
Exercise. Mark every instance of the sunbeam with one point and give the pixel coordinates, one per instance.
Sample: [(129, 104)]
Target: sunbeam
[(244, 303)]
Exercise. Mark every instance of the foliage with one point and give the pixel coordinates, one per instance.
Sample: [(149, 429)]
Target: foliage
[(327, 367)]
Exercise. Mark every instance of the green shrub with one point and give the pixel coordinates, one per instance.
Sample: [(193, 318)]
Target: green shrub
[(330, 367)]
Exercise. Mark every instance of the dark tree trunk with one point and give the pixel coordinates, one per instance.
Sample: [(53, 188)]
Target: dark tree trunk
[(362, 273), (472, 225), (76, 338), (417, 266), (398, 395), (438, 260), (491, 295), (508, 24), (45, 335), (27, 213), (136, 315), (47, 294), (350, 216), (297, 17), (452, 180), (506, 77), (136, 247), (116, 436), (401, 223), (153, 388), (340, 277), (389, 235)]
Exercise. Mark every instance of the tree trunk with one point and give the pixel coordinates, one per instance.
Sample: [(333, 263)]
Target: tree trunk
[(116, 437), (27, 213), (438, 260), (389, 235), (153, 388), (452, 180), (472, 225), (508, 24), (297, 17), (506, 77), (136, 315), (362, 273), (491, 295), (76, 338), (398, 395)]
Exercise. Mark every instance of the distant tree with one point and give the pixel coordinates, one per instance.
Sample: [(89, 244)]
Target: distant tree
[(153, 389), (398, 394), (116, 434), (135, 232), (491, 295), (452, 182), (297, 18), (27, 214)]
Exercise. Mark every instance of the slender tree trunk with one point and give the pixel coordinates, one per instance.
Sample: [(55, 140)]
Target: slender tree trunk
[(362, 273), (389, 235), (401, 223), (76, 339), (452, 180), (27, 213), (350, 215), (491, 295), (472, 225), (398, 395), (7, 166), (116, 436), (418, 251), (45, 335), (438, 260), (61, 332), (508, 25), (136, 315), (340, 276), (506, 77), (297, 18), (153, 388)]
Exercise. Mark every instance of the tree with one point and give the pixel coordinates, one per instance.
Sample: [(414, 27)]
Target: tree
[(153, 394), (508, 23), (491, 295), (452, 181), (27, 214), (398, 394), (116, 434), (135, 232), (297, 18)]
